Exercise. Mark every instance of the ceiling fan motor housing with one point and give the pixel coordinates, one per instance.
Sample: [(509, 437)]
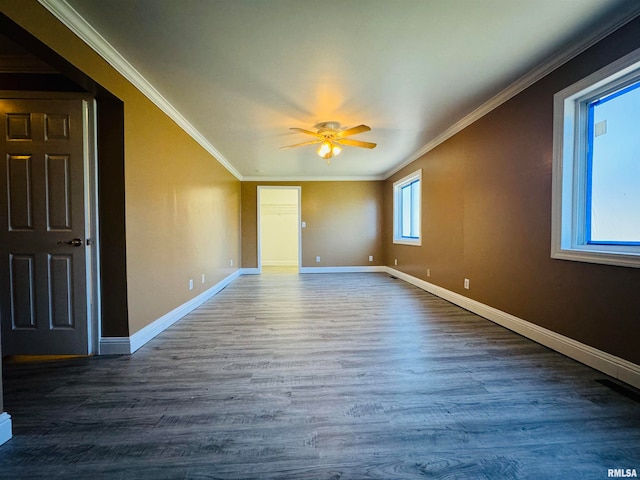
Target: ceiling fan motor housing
[(327, 129)]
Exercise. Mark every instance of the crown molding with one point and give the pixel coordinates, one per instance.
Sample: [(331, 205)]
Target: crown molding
[(539, 72), (80, 27), (371, 178)]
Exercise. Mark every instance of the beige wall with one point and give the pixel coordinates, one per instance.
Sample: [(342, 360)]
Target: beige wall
[(182, 207), (344, 223), (183, 216), (487, 217)]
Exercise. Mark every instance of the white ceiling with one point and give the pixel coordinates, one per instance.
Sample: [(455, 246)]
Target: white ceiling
[(241, 72)]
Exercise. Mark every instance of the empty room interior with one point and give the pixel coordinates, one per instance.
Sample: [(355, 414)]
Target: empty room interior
[(320, 240)]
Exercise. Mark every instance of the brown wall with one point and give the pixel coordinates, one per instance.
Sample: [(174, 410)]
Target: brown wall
[(344, 223), (181, 213), (487, 217)]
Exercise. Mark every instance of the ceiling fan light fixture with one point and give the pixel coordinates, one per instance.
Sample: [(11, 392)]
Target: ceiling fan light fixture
[(325, 149)]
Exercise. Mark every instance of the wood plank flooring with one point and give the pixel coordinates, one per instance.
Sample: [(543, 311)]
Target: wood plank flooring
[(326, 376)]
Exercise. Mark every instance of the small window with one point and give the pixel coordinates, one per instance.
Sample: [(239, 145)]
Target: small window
[(596, 173), (406, 209)]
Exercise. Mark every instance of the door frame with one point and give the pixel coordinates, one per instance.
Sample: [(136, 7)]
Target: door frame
[(90, 163), (259, 229)]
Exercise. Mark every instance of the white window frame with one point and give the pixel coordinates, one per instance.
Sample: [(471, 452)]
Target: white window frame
[(397, 209), (568, 229)]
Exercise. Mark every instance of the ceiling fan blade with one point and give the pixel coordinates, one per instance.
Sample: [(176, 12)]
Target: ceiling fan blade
[(352, 131), (302, 130), (354, 143), (301, 144)]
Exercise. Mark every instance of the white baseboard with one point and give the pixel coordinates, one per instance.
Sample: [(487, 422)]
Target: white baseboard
[(358, 269), (613, 366), (249, 271), (5, 427), (128, 345)]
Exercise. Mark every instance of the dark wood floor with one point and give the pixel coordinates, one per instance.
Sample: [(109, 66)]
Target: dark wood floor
[(352, 376)]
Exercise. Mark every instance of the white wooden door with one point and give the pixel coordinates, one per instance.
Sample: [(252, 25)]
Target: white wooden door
[(43, 302)]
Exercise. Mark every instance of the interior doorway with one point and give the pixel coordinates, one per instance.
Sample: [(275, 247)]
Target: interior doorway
[(48, 242), (279, 234)]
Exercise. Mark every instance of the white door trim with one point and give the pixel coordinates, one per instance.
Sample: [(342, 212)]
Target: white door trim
[(5, 427), (94, 318)]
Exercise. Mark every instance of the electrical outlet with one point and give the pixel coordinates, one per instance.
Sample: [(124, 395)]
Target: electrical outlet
[(317, 259), (466, 283), (203, 278), (395, 261), (428, 272), (191, 284), (371, 258), (231, 262)]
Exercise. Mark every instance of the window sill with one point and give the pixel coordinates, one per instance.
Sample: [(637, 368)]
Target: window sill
[(600, 257), (400, 241)]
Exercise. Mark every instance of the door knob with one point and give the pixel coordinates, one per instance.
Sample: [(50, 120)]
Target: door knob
[(76, 242)]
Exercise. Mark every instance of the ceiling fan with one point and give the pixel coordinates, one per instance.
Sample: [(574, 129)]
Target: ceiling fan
[(331, 138)]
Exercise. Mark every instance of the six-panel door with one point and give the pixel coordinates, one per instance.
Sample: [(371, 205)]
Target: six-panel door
[(43, 303)]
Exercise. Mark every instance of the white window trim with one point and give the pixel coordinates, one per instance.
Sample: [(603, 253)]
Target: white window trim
[(397, 227), (569, 183)]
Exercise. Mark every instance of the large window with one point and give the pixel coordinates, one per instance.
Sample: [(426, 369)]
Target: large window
[(596, 174), (406, 209)]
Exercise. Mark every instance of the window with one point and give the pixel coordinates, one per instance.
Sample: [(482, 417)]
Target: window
[(596, 167), (406, 209)]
